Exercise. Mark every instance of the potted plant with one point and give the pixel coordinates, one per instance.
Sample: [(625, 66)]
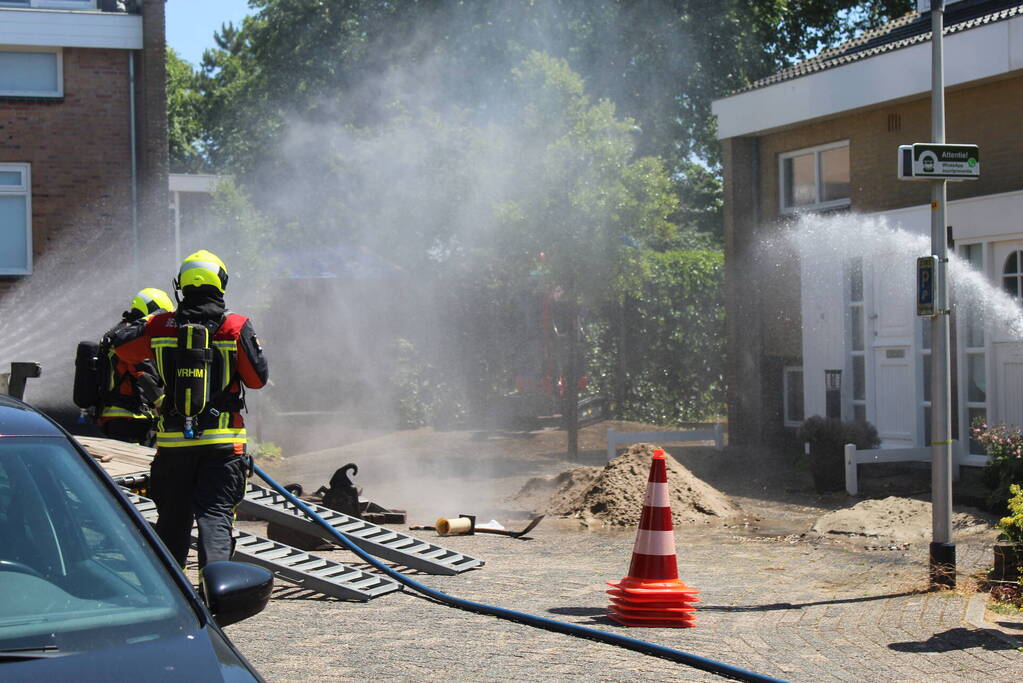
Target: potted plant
[(827, 437), (1009, 546)]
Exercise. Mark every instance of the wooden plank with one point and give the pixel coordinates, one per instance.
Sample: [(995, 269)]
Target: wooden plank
[(117, 457)]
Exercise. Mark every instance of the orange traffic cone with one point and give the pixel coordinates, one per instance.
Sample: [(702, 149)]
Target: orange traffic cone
[(652, 594)]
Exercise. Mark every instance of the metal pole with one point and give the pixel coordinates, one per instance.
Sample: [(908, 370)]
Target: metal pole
[(942, 549), (177, 226), (134, 165)]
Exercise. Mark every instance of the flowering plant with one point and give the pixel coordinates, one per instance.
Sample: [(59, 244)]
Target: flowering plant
[(1002, 442), (1012, 526), (1004, 445)]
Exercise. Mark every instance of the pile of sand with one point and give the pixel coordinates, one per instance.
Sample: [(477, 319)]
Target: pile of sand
[(894, 519), (614, 493)]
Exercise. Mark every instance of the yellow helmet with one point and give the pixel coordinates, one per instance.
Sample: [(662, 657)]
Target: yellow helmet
[(202, 268), (148, 301)]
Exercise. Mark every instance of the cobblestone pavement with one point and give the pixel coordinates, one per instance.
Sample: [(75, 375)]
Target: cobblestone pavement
[(785, 607)]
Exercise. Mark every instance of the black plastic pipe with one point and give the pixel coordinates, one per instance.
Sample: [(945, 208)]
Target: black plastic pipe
[(695, 661)]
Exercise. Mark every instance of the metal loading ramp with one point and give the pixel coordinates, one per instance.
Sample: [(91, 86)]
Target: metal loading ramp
[(296, 566), (378, 541)]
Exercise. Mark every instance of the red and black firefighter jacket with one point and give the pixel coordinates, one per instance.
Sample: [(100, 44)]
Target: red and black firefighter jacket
[(123, 398), (237, 362)]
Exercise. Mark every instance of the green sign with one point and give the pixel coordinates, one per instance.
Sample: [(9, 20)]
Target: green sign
[(946, 161)]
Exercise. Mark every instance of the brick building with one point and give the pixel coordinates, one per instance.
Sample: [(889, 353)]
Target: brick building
[(83, 132), (821, 138)]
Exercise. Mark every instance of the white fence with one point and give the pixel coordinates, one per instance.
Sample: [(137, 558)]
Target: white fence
[(854, 457), (616, 439)]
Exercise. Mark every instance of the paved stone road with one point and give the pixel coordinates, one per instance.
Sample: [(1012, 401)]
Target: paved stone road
[(787, 608)]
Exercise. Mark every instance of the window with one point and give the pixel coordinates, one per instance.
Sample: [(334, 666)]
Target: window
[(793, 388), (79, 575), (15, 219), (1012, 273), (857, 342), (974, 358), (27, 72), (816, 178)]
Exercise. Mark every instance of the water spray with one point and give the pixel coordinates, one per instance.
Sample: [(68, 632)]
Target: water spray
[(644, 647)]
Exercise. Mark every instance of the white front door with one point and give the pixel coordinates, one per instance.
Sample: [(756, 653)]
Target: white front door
[(895, 389), (891, 345)]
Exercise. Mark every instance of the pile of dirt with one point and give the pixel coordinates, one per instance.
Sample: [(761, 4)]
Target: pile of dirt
[(896, 520), (614, 494)]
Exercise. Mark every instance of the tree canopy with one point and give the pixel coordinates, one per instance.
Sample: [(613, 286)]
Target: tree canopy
[(661, 62), (453, 141)]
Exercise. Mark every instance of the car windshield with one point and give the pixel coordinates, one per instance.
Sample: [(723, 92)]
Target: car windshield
[(76, 573)]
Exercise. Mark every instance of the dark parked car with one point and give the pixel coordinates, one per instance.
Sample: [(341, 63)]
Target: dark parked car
[(87, 591)]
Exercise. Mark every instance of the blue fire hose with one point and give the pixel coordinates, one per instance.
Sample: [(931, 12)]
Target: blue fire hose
[(695, 661)]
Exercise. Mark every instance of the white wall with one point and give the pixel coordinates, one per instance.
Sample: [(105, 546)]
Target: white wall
[(52, 28)]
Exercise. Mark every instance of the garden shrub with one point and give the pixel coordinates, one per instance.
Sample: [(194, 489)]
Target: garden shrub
[(1004, 446), (827, 437)]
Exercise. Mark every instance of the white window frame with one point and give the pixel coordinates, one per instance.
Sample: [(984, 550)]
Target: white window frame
[(817, 205), (790, 385), (1017, 276), (51, 4), (59, 56), (856, 309), (25, 190), (965, 351)]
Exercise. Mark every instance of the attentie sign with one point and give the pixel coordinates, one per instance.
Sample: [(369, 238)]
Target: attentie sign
[(927, 160), (946, 161)]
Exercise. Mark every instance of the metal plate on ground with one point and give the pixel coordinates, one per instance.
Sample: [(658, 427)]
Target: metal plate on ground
[(381, 542), (296, 566)]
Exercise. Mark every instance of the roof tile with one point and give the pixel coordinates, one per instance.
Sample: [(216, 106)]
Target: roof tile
[(905, 31)]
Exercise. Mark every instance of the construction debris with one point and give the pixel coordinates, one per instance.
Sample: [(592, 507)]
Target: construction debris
[(613, 495)]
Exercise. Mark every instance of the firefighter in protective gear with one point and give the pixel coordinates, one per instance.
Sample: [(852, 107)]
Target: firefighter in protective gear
[(131, 393), (199, 473)]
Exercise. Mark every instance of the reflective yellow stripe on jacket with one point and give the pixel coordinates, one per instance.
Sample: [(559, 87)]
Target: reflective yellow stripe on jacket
[(118, 412), (209, 437)]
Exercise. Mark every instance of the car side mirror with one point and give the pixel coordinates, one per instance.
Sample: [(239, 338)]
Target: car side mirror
[(235, 590)]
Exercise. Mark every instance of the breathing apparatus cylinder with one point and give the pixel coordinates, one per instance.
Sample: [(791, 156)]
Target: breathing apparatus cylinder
[(87, 378), (191, 383)]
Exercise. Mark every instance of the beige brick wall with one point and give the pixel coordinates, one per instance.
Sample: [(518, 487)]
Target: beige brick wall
[(988, 115), (79, 149)]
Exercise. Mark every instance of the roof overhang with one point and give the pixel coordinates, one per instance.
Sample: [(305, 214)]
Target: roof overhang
[(70, 28), (989, 51), (193, 182)]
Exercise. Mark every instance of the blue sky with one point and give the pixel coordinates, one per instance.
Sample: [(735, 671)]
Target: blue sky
[(192, 23)]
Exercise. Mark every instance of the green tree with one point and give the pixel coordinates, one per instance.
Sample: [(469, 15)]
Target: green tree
[(661, 61), (243, 237), (239, 125), (457, 140), (184, 116), (580, 195)]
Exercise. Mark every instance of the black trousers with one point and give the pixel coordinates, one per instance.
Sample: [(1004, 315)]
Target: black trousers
[(127, 429), (204, 483)]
